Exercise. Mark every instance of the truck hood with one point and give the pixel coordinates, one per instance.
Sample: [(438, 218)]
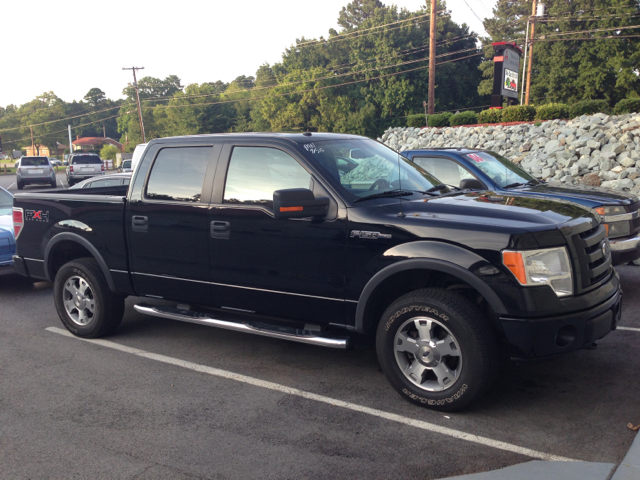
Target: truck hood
[(509, 212), (589, 196)]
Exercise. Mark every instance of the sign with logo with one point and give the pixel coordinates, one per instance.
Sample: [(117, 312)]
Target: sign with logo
[(511, 69)]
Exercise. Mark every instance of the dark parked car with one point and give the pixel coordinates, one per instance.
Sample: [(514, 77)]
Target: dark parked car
[(37, 170), (485, 170), (115, 180), (270, 234)]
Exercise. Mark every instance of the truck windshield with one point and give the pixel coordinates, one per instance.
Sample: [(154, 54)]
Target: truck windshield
[(362, 167), (502, 171)]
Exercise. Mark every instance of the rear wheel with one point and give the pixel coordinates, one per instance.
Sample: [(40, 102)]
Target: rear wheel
[(84, 302), (54, 184), (436, 349), (20, 185)]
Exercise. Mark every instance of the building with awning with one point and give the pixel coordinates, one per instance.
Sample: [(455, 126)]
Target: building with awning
[(94, 143)]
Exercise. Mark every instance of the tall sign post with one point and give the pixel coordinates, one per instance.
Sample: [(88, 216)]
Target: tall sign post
[(506, 70)]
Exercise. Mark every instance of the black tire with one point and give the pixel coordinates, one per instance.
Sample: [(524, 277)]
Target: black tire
[(98, 312), (467, 366), (54, 184), (20, 185), (70, 182)]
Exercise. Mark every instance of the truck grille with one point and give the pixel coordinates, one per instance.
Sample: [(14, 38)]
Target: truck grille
[(594, 266)]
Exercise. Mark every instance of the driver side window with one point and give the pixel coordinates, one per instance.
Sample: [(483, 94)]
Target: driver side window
[(256, 172), (444, 169)]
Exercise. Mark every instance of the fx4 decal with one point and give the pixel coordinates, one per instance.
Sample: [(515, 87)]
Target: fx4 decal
[(36, 216), (371, 235)]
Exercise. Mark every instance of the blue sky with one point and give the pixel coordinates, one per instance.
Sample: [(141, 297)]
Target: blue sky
[(78, 45)]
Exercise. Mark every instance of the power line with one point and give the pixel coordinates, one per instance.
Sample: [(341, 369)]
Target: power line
[(328, 42), (596, 30), (321, 78), (607, 37), (316, 88), (186, 97), (366, 29), (63, 119)]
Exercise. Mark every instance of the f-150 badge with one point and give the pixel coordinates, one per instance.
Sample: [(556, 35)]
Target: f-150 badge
[(370, 235), (36, 216)]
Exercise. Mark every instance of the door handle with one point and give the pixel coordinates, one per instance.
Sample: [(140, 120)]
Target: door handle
[(139, 223), (219, 229)]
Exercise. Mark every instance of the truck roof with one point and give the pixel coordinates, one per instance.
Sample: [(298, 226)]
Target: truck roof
[(305, 137)]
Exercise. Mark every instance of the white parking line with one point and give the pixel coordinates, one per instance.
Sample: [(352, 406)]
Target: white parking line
[(629, 328), (488, 442), (11, 185)]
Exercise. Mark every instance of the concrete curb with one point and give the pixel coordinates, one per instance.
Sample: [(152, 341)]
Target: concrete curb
[(629, 469), (544, 470)]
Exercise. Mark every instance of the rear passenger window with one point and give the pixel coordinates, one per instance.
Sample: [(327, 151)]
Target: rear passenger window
[(256, 172), (178, 173)]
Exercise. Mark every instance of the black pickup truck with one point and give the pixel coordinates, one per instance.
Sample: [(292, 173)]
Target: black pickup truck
[(326, 239)]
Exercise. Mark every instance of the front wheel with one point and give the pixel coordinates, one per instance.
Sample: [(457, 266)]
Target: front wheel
[(83, 300), (436, 349)]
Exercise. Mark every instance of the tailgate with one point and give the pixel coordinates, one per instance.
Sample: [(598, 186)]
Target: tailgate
[(61, 221)]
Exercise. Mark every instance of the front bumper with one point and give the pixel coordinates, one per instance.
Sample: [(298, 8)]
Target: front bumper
[(543, 337), (625, 250)]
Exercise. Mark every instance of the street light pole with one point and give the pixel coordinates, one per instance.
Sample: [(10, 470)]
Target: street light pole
[(135, 84), (432, 57)]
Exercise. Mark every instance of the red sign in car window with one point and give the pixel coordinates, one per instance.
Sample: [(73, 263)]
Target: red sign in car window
[(475, 157)]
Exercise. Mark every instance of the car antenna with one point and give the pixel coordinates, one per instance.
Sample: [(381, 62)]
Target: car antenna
[(401, 215)]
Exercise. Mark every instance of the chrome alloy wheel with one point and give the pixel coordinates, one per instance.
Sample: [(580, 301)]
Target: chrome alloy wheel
[(428, 354), (79, 301)]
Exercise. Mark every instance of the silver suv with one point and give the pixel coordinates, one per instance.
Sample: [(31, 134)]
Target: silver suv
[(82, 166), (34, 170)]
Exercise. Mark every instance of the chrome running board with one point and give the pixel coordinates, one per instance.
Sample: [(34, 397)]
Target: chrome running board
[(257, 328)]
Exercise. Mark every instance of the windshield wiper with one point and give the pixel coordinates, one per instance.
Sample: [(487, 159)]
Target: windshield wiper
[(388, 193), (520, 184), (435, 188)]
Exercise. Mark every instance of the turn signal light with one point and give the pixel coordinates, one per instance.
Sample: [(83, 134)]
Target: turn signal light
[(18, 221), (291, 209), (514, 262), (599, 210)]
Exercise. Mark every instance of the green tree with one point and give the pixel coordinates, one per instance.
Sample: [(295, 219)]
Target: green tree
[(566, 70), (108, 152)]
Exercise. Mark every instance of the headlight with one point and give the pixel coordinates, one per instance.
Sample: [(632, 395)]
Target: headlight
[(549, 266), (618, 229), (610, 210)]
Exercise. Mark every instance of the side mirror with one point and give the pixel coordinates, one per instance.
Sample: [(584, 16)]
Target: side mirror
[(472, 184), (298, 203)]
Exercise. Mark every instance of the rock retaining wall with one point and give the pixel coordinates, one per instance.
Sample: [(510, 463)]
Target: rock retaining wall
[(596, 150)]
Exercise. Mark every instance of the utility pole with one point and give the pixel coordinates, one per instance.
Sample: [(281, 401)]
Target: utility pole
[(432, 57), (135, 84), (70, 144), (533, 31), (104, 132), (32, 145)]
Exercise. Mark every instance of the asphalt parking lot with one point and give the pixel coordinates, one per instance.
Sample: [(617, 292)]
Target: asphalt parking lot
[(163, 399)]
